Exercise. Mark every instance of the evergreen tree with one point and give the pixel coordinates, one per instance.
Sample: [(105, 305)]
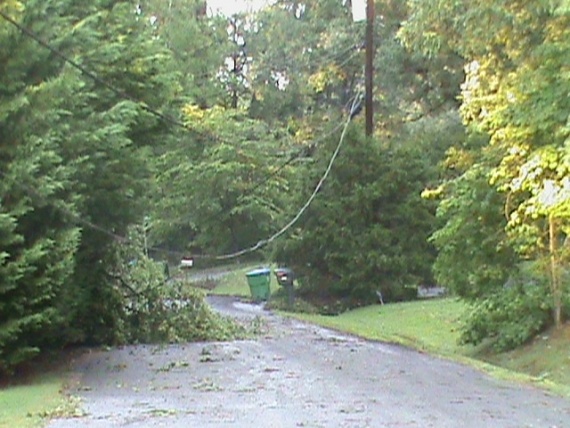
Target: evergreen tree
[(73, 153)]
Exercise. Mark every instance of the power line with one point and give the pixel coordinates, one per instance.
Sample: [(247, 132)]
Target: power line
[(339, 55), (319, 61), (347, 59), (293, 158), (123, 94), (78, 220), (35, 195), (296, 218), (340, 59), (93, 76), (296, 155), (178, 123)]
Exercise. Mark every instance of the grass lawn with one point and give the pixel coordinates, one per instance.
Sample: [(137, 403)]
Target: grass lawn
[(27, 405), (547, 357), (235, 283), (430, 325), (434, 326)]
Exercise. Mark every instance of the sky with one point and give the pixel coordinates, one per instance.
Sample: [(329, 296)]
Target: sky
[(229, 7)]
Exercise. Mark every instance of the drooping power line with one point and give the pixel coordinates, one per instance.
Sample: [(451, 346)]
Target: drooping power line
[(93, 76), (309, 201), (79, 220)]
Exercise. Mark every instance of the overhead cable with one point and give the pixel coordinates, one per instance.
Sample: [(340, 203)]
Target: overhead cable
[(304, 208), (93, 76), (78, 219)]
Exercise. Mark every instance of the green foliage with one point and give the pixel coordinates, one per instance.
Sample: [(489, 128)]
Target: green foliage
[(473, 258), (510, 317), (367, 230), (224, 193), (315, 72), (70, 149), (110, 146), (198, 46), (75, 154), (37, 245), (155, 310), (515, 91)]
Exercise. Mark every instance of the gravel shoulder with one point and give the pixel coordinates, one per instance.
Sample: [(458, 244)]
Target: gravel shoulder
[(297, 375)]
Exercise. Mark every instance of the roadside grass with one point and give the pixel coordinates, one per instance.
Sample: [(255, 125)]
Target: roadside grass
[(433, 326), (546, 358), (235, 283), (29, 405), (430, 325)]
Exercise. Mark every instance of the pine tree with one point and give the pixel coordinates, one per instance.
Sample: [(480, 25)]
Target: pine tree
[(73, 153)]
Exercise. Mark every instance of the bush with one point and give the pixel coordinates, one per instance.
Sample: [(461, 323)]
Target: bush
[(367, 230), (510, 317), (156, 310)]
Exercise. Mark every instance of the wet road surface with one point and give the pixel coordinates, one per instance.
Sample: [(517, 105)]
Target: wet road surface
[(297, 375)]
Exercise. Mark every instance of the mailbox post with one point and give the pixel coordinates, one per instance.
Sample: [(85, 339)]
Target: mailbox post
[(286, 278), (186, 264)]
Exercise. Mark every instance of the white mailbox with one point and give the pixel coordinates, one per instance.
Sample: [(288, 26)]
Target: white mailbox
[(187, 263)]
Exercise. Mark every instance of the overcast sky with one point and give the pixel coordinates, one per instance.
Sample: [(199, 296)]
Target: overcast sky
[(229, 7)]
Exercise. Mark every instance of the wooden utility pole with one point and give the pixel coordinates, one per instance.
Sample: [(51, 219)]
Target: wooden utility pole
[(369, 71)]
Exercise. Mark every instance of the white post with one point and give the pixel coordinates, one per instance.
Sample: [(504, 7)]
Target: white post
[(358, 10)]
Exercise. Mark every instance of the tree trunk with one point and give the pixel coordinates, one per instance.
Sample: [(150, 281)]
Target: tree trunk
[(555, 283)]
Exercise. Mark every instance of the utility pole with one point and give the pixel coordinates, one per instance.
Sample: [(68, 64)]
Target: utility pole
[(369, 69), (238, 58)]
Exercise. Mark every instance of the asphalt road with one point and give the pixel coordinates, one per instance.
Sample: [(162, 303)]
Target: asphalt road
[(297, 375)]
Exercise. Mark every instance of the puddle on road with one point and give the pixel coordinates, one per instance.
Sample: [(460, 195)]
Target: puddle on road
[(249, 307)]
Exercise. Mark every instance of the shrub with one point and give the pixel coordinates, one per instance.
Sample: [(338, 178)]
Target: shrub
[(158, 310), (510, 317), (367, 230)]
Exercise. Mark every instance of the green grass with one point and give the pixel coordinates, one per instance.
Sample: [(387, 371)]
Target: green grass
[(434, 326), (546, 358), (26, 406), (235, 283), (430, 325)]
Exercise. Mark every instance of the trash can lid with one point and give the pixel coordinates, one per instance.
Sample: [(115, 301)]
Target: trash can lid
[(258, 272)]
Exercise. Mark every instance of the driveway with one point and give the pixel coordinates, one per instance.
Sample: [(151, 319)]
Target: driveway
[(297, 375)]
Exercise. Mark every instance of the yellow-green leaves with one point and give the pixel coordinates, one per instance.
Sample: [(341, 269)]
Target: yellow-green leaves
[(327, 76), (517, 91)]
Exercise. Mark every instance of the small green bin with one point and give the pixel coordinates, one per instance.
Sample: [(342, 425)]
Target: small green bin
[(258, 281)]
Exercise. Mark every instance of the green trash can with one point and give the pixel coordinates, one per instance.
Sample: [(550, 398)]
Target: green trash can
[(258, 281)]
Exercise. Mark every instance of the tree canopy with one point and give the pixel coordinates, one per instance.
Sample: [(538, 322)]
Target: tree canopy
[(137, 133)]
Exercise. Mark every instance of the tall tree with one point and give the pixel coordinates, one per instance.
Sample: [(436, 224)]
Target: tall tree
[(199, 45), (515, 91), (355, 238), (38, 243), (73, 153), (367, 229), (322, 49)]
